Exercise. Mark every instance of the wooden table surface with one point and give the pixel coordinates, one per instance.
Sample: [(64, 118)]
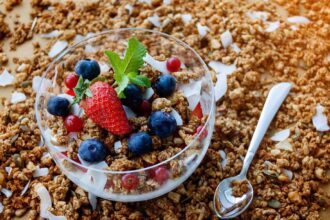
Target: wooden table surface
[(25, 51)]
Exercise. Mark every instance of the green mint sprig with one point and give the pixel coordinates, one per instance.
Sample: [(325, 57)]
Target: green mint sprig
[(126, 70), (82, 90)]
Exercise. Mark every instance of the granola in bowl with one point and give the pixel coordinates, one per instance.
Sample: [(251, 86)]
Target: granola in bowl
[(125, 117)]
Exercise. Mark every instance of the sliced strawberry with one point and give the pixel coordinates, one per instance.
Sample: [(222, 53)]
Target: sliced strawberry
[(197, 112)]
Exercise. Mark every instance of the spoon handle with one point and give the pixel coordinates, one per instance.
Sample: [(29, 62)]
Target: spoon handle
[(275, 98)]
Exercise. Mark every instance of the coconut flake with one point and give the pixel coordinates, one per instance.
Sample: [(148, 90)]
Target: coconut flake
[(157, 65), (190, 159), (117, 145), (104, 67), (1, 207), (78, 38), (281, 135), (90, 49), (192, 88), (145, 1), (328, 57), (275, 152), (51, 34), (288, 173), (166, 2), (92, 200), (294, 27), (258, 15), (220, 87), (8, 170), (40, 172), (6, 78), (298, 19), (154, 20), (235, 48), (320, 120), (58, 47), (186, 18), (224, 158), (272, 26), (193, 100), (34, 23), (50, 140), (177, 117), (129, 113), (129, 8), (36, 82), (219, 67), (226, 39), (6, 192), (202, 30), (21, 67), (284, 145), (148, 93), (17, 97), (46, 203), (26, 187)]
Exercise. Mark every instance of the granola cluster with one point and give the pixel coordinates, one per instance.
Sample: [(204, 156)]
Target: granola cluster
[(287, 180)]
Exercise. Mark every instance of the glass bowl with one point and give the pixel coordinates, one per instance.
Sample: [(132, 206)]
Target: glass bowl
[(98, 179)]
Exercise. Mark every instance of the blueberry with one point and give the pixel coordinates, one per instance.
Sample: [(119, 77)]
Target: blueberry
[(162, 124), (88, 69), (133, 96), (58, 106), (92, 150), (165, 85), (140, 143)]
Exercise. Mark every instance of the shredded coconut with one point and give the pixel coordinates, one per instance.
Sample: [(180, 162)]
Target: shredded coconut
[(17, 97), (281, 135), (298, 19), (272, 26), (6, 78), (320, 120), (57, 48), (186, 18), (154, 20), (226, 39), (202, 30)]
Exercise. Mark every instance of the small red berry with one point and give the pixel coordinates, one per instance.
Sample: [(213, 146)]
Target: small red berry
[(109, 184), (203, 134), (161, 175), (130, 181), (70, 92), (73, 123), (173, 64), (145, 108), (71, 80)]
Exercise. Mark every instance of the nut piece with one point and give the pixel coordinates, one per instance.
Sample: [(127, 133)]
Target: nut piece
[(294, 197), (160, 104)]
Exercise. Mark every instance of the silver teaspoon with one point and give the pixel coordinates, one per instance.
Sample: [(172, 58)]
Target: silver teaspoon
[(226, 205)]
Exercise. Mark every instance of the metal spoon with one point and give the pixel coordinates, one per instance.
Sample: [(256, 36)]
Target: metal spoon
[(226, 205)]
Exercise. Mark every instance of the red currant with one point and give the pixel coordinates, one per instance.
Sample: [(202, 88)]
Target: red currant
[(73, 123), (70, 92), (130, 181), (109, 184), (71, 80), (145, 108), (173, 64), (203, 134), (161, 175)]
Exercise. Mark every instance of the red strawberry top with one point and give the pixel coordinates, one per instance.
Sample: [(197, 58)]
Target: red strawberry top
[(105, 109)]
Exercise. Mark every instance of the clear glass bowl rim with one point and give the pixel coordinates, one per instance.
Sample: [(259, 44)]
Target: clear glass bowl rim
[(73, 47)]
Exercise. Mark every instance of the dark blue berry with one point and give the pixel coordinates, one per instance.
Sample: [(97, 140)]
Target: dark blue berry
[(165, 85), (92, 150), (133, 96), (88, 69), (58, 106), (140, 143), (162, 124)]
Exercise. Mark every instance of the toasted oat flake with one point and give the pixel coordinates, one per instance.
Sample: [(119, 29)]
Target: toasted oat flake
[(17, 97), (258, 15), (6, 78), (226, 39), (154, 20), (40, 172), (6, 192), (26, 187), (320, 120), (52, 34), (202, 30), (186, 18), (129, 8), (272, 26), (235, 48), (281, 135), (57, 48), (177, 117), (92, 200), (298, 19), (219, 67), (284, 145)]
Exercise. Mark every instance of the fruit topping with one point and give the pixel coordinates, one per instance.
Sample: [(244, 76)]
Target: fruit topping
[(88, 69), (140, 143), (165, 85), (58, 106), (162, 124), (173, 64), (71, 80), (70, 92), (101, 104), (133, 96), (130, 181), (73, 123), (92, 150), (197, 112), (144, 108), (161, 174), (203, 134)]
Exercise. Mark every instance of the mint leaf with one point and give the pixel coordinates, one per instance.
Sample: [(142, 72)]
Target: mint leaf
[(116, 63), (81, 90), (121, 86), (133, 59), (140, 81)]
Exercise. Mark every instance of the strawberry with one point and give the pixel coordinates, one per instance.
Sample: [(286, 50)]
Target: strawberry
[(101, 104), (197, 112)]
